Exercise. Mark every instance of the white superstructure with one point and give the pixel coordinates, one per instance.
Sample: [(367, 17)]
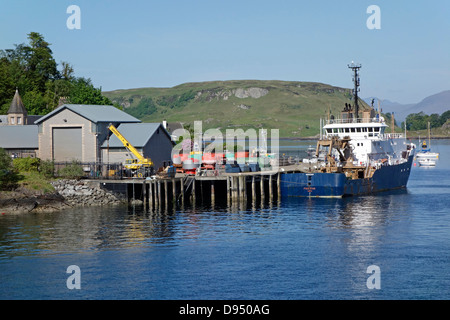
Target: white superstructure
[(368, 139)]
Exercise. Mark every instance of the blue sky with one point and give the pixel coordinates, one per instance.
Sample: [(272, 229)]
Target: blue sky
[(130, 44)]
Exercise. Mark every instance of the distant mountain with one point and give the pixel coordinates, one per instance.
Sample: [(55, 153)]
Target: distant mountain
[(436, 103), (295, 108), (401, 111)]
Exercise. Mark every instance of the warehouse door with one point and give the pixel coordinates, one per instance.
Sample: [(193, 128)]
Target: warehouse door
[(67, 144)]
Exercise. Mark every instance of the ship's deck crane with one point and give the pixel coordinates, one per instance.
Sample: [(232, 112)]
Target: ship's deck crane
[(140, 166)]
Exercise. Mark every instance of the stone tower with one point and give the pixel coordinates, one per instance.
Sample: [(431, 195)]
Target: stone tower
[(17, 114)]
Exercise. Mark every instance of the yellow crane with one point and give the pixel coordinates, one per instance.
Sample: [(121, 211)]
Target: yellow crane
[(140, 166)]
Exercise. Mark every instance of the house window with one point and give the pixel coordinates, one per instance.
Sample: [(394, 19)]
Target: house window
[(19, 120), (13, 120)]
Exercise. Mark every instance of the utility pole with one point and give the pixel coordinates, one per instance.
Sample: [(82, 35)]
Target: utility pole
[(355, 68)]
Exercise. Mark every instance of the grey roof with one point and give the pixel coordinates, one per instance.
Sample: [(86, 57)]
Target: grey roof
[(19, 137), (17, 105), (137, 134), (172, 126), (94, 113), (31, 119)]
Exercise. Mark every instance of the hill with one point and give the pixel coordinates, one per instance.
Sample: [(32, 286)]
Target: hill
[(292, 107), (436, 103)]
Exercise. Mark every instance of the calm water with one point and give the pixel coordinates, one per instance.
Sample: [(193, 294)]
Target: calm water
[(298, 249)]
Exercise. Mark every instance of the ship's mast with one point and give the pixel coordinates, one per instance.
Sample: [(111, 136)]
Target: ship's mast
[(355, 68)]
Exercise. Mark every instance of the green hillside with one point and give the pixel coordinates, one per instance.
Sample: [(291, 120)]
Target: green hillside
[(292, 107)]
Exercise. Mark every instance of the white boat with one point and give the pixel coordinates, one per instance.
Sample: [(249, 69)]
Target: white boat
[(427, 162), (426, 153)]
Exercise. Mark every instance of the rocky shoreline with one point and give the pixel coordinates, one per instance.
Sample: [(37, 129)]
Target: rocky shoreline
[(68, 194)]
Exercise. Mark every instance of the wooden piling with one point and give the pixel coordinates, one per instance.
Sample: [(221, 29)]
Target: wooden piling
[(166, 195), (262, 187), (159, 192), (193, 191), (228, 191), (150, 194), (244, 188), (174, 191), (213, 193), (278, 186), (235, 189), (182, 190), (270, 188), (253, 189), (241, 188), (144, 193)]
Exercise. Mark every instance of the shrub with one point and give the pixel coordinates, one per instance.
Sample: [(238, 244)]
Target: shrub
[(8, 176), (71, 171), (47, 168), (26, 164), (5, 160)]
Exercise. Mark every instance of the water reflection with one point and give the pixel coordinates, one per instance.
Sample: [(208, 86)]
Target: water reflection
[(93, 229)]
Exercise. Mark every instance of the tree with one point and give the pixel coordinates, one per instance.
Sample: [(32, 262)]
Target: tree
[(83, 92), (434, 120), (416, 121), (67, 71), (41, 66), (32, 69), (444, 117)]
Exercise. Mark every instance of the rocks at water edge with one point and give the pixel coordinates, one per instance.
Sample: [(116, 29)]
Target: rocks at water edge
[(68, 194), (85, 193)]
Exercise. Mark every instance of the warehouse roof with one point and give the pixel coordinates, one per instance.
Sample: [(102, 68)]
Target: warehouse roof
[(137, 134), (19, 137), (94, 113)]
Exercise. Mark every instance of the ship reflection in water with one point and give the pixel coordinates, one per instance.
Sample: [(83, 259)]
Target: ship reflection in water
[(96, 229)]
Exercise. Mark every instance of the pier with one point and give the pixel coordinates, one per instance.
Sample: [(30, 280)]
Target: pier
[(234, 189)]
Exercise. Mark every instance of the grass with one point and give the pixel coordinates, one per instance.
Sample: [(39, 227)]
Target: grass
[(36, 182)]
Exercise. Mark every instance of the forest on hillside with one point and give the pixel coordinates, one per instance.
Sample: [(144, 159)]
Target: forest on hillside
[(419, 121)]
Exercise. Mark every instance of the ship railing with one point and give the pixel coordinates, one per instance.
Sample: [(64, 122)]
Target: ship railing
[(354, 120)]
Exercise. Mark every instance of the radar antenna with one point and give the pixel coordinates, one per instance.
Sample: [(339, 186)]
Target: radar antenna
[(355, 68)]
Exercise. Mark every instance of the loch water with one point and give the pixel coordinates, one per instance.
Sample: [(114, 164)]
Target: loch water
[(294, 249)]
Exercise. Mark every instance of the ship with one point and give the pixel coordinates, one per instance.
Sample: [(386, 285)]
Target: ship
[(354, 156)]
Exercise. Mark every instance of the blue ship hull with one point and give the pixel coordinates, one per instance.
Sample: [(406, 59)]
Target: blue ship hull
[(337, 185)]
